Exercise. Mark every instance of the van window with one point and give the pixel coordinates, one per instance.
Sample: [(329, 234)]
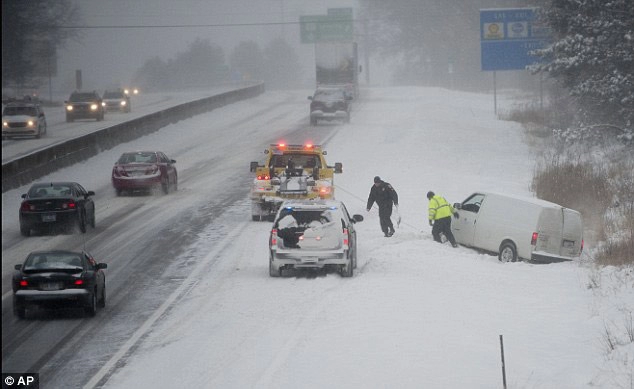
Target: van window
[(472, 204)]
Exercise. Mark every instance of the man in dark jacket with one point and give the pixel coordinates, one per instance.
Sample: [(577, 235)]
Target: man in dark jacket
[(384, 195)]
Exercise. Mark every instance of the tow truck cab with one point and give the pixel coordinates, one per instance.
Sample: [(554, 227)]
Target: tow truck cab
[(290, 172)]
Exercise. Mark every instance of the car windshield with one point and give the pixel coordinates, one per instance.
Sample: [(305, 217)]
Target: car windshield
[(50, 261), (49, 191), (142, 157), (113, 95), (13, 111), (76, 97)]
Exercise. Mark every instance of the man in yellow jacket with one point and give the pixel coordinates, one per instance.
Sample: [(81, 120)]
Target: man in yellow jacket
[(440, 212)]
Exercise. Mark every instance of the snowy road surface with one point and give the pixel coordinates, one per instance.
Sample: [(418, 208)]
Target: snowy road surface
[(190, 302)]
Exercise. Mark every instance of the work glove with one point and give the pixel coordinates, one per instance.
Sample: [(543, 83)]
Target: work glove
[(431, 223), (456, 215)]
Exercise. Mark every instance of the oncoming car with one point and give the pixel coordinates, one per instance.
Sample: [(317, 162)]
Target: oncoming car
[(144, 170), (317, 234), (23, 119), (57, 278), (55, 203), (116, 100), (84, 105)]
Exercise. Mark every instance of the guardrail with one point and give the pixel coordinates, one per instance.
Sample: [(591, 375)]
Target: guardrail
[(24, 170)]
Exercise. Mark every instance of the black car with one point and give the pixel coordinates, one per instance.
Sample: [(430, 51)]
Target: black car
[(57, 278), (84, 105), (329, 104), (56, 203)]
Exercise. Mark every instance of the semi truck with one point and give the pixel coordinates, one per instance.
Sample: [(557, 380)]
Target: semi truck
[(337, 65)]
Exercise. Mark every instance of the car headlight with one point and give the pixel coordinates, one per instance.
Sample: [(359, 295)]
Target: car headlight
[(5, 124), (69, 107), (103, 103), (126, 91), (123, 103), (30, 123), (93, 107), (135, 91)]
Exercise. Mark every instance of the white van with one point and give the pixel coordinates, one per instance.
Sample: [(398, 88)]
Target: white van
[(518, 228)]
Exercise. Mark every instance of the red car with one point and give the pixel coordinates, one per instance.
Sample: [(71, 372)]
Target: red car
[(144, 170)]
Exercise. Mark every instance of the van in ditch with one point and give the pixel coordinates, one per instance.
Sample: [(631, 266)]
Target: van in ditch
[(517, 228)]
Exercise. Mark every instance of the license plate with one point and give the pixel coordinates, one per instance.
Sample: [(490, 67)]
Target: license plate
[(49, 217), (50, 286), (568, 244)]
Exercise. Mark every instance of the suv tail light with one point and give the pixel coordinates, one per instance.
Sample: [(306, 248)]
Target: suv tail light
[(273, 237), (346, 238), (264, 177)]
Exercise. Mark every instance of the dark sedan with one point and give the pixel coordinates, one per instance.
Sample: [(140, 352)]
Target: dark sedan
[(56, 203), (84, 105), (144, 170), (58, 278)]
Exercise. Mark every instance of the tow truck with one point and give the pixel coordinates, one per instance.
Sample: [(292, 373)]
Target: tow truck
[(290, 172)]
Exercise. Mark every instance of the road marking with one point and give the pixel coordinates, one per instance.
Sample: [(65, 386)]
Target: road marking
[(145, 328)]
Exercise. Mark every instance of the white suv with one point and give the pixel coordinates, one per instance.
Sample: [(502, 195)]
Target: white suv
[(23, 119), (318, 234)]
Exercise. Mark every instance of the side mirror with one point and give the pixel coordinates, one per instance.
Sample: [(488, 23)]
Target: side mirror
[(172, 161), (102, 266), (357, 218), (90, 193), (338, 167), (457, 205), (18, 266), (253, 166), (23, 195), (310, 97)]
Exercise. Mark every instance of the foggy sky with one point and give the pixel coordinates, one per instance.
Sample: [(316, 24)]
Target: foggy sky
[(109, 57)]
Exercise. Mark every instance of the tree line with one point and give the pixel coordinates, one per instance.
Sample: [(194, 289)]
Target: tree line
[(204, 64)]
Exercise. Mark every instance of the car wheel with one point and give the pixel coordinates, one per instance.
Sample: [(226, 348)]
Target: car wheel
[(347, 270), (91, 310), (256, 218), (118, 191), (508, 252), (82, 222), (274, 271), (93, 220), (175, 187), (69, 119), (25, 231), (102, 300), (166, 186), (313, 121), (39, 133), (19, 310)]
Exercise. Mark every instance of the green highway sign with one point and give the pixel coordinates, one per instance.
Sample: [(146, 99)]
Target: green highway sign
[(334, 27)]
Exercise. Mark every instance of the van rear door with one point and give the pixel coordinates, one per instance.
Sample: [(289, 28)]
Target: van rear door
[(572, 233)]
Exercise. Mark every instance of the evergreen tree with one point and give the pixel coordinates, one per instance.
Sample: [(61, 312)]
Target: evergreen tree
[(592, 56)]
